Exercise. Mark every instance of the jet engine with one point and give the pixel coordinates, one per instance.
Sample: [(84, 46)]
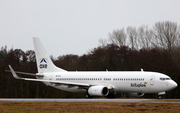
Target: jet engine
[(98, 91), (135, 94)]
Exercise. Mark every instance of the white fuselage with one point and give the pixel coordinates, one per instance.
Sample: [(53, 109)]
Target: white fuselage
[(127, 81)]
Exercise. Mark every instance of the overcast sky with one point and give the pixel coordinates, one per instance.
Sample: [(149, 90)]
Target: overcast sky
[(75, 26)]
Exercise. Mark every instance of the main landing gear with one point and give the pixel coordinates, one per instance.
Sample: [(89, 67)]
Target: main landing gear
[(87, 96), (110, 96)]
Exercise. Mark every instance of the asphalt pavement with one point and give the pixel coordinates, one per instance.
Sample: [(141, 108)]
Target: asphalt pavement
[(80, 100)]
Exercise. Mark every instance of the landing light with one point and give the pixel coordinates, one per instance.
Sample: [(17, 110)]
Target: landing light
[(110, 87)]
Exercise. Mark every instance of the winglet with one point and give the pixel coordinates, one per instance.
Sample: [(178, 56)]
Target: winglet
[(13, 73)]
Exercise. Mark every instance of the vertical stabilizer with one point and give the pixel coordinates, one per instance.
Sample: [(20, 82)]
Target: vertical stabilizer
[(44, 63)]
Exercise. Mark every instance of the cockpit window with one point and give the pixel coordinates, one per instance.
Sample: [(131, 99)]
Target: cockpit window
[(165, 78)]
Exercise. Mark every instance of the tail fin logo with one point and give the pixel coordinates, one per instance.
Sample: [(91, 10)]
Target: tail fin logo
[(42, 61)]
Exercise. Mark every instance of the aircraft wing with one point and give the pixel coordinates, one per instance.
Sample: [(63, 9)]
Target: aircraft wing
[(25, 73), (50, 81)]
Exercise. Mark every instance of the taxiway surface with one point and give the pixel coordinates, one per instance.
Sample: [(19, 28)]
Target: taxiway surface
[(78, 100)]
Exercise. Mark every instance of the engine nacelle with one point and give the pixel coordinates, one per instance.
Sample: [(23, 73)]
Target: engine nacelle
[(135, 94), (98, 91)]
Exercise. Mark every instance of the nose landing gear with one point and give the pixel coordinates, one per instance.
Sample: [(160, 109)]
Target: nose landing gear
[(160, 94), (159, 97)]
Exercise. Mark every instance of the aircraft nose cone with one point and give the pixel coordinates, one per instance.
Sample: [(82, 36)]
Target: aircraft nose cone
[(173, 84)]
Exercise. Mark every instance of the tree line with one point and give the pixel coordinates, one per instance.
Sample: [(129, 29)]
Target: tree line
[(155, 49)]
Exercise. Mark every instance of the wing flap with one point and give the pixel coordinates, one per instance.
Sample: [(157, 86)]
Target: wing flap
[(58, 82)]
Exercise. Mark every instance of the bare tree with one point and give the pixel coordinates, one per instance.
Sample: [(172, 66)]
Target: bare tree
[(118, 37), (165, 35), (103, 42), (144, 37), (132, 36)]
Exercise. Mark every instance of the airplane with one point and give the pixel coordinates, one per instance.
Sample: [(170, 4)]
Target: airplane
[(96, 83)]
